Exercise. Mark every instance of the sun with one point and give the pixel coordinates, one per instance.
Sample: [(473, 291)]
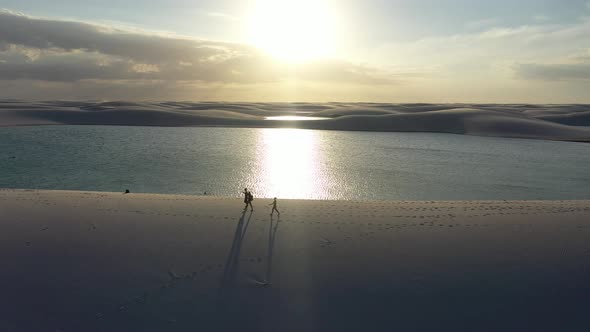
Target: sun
[(293, 30)]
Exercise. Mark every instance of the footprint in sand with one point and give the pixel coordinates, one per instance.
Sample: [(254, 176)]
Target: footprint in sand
[(258, 281), (326, 242)]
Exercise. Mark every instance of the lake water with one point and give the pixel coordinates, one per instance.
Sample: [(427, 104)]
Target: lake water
[(292, 163)]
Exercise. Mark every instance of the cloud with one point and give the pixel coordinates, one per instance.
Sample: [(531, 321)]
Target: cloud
[(223, 16), (47, 58), (554, 72), (341, 70), (492, 48), (484, 66), (483, 23), (69, 36), (541, 18), (53, 50)]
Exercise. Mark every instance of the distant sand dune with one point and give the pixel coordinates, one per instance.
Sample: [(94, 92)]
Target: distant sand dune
[(557, 122)]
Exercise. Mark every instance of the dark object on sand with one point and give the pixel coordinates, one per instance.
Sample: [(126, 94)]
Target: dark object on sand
[(248, 198), (274, 207), (126, 191)]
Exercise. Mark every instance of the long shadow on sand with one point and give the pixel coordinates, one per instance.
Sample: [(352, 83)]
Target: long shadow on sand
[(272, 232), (233, 259), (228, 311), (242, 306)]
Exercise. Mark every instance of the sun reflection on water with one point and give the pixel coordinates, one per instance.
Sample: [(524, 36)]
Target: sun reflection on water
[(291, 164), (294, 118)]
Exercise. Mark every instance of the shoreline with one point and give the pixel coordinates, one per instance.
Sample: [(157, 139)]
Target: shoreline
[(290, 126), (240, 197)]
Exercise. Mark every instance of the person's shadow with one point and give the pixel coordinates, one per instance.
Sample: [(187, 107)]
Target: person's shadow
[(233, 259), (235, 309), (228, 304), (272, 232)]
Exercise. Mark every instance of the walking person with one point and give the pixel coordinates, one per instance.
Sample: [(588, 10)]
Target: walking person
[(245, 192), (248, 198), (274, 207)]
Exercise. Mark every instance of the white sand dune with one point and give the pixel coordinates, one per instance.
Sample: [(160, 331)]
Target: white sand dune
[(88, 261), (558, 122)]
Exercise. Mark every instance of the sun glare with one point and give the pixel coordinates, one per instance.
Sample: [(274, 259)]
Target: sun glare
[(291, 164), (293, 30)]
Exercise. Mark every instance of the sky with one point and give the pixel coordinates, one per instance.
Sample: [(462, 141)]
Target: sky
[(435, 51)]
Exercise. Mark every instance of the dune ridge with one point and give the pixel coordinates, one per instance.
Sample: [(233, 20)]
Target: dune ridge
[(555, 122)]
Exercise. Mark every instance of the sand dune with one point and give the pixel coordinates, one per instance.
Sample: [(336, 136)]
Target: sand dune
[(90, 261), (559, 122)]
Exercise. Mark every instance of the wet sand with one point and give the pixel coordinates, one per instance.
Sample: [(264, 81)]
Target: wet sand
[(90, 261)]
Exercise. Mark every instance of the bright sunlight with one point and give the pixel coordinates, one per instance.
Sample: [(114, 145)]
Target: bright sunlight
[(293, 30), (291, 164)]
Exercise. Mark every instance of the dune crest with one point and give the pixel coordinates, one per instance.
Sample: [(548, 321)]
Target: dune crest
[(556, 122)]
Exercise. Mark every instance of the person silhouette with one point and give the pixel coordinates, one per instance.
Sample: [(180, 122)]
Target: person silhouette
[(245, 192), (248, 198), (274, 207)]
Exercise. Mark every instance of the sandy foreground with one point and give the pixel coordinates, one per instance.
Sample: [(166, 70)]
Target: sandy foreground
[(89, 261)]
